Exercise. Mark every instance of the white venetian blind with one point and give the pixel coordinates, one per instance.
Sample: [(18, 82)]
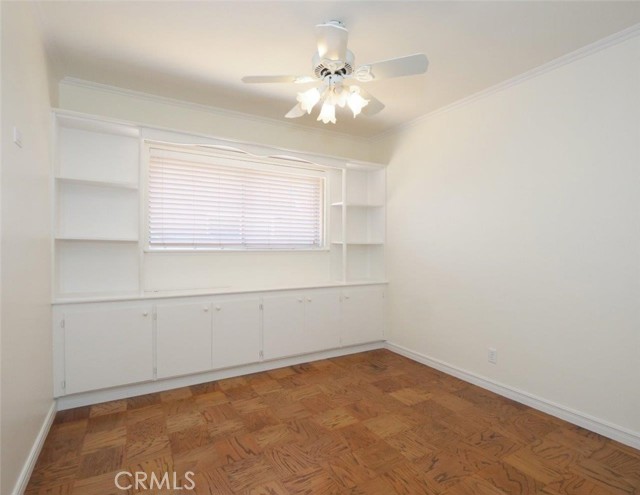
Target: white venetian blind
[(200, 201)]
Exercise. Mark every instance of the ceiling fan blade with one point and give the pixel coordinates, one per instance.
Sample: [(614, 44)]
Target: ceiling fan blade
[(295, 112), (395, 67), (374, 106), (332, 41), (278, 79)]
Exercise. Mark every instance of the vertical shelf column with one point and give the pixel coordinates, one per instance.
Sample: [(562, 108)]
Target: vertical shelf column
[(365, 223), (336, 224), (96, 205)]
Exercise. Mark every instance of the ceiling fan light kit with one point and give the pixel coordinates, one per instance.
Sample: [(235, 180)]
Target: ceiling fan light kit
[(333, 68), (327, 113), (308, 99)]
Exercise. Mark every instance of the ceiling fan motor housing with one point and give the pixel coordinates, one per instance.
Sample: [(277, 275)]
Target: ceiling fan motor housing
[(327, 67)]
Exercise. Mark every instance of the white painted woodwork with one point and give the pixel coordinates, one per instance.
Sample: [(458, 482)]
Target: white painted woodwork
[(100, 255), (183, 338), (365, 262), (365, 224), (97, 154), (283, 325), (358, 228), (107, 344), (108, 347), (363, 315), (116, 393), (97, 205), (96, 211), (99, 197), (95, 267), (323, 320), (300, 322), (236, 331)]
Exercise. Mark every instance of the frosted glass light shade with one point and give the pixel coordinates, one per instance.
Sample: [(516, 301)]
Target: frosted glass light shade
[(308, 99), (356, 102), (328, 113)]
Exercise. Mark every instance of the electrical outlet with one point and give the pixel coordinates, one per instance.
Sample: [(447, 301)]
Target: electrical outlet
[(493, 355)]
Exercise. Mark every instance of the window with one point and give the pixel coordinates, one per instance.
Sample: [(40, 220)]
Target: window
[(200, 200)]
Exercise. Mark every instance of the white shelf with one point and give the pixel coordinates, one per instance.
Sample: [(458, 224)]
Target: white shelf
[(358, 205), (89, 297), (96, 124), (359, 243), (96, 239), (96, 265), (98, 183), (80, 297), (98, 155)]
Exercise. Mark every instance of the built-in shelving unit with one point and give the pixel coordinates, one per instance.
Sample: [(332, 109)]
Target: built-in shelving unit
[(98, 183), (358, 229), (96, 238), (357, 205)]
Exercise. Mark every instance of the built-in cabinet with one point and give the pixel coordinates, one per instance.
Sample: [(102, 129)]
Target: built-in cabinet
[(323, 320), (363, 315), (116, 325), (111, 344), (107, 346), (183, 329), (301, 322), (284, 324), (236, 331)]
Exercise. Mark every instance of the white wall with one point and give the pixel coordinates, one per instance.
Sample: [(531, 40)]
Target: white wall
[(26, 378), (514, 223)]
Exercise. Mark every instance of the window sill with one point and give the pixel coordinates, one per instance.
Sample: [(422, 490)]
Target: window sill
[(247, 251)]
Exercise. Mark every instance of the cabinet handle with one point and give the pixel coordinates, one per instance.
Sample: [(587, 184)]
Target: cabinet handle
[(218, 308), (145, 313), (205, 309), (300, 299), (346, 297), (309, 299)]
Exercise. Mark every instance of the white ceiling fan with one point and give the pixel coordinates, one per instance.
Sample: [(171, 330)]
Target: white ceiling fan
[(333, 68)]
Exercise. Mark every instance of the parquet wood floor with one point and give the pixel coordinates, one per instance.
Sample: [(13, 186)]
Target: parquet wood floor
[(373, 423)]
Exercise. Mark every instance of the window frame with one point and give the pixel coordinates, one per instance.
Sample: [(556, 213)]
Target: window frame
[(234, 158)]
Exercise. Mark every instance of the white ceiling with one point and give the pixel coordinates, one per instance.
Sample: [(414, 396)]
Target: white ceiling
[(198, 51)]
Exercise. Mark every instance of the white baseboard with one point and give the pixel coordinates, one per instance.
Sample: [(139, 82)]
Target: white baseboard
[(602, 427), (36, 448), (95, 397)]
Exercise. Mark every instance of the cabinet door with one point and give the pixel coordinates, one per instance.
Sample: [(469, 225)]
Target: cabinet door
[(108, 347), (363, 315), (323, 320), (183, 338), (236, 332), (283, 325)]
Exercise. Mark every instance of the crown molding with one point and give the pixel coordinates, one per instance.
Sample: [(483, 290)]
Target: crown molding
[(585, 51), (222, 112)]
